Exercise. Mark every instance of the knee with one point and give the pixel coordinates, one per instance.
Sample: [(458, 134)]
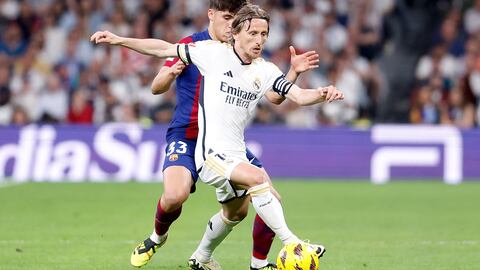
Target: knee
[(236, 216), (276, 194), (173, 200), (258, 178)]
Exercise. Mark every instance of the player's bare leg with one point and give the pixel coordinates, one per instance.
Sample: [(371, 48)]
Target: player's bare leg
[(177, 183)]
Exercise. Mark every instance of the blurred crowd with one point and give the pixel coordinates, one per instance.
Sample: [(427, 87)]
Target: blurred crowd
[(51, 73), (447, 87)]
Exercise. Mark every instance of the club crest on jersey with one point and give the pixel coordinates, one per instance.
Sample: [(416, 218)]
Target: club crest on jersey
[(173, 157), (256, 84)]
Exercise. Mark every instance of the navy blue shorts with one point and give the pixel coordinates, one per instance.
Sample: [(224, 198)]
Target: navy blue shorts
[(181, 152), (253, 159)]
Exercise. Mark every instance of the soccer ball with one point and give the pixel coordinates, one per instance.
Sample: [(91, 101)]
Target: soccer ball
[(297, 256)]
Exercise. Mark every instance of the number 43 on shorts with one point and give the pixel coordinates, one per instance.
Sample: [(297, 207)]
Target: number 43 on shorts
[(178, 147)]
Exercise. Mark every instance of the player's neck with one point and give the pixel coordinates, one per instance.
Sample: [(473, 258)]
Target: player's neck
[(242, 54), (212, 33)]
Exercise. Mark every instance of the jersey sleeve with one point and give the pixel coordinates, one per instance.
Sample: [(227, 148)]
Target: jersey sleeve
[(173, 60), (200, 54), (276, 80)]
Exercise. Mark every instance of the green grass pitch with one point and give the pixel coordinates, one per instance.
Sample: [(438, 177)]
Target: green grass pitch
[(401, 225)]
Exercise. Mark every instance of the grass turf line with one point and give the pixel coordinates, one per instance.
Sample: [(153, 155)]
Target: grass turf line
[(401, 225)]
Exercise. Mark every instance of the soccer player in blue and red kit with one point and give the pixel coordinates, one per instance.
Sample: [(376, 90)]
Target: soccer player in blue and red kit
[(179, 168)]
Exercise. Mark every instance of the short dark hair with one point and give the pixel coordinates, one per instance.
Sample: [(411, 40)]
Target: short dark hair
[(232, 6), (247, 13)]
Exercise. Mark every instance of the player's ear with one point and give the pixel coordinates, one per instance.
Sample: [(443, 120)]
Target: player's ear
[(234, 36), (210, 13)]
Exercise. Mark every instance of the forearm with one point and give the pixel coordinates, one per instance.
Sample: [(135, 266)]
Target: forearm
[(153, 47), (305, 97), (163, 81), (291, 75), (310, 97)]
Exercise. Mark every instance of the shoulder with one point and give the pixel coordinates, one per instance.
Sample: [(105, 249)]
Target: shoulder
[(211, 44), (195, 37), (186, 40), (265, 65)]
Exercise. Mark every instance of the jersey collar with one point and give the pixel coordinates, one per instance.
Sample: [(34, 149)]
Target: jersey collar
[(207, 34), (239, 58)]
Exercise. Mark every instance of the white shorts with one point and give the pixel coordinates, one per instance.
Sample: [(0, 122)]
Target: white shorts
[(216, 171)]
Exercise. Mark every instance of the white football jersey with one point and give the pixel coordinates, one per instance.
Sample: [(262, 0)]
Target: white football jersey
[(230, 91)]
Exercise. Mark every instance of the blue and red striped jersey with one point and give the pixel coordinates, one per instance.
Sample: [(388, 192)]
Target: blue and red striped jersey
[(184, 123)]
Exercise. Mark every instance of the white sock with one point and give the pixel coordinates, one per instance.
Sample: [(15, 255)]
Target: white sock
[(258, 263), (270, 210), (157, 238), (217, 229)]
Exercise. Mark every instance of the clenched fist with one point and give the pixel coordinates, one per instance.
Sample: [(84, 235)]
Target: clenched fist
[(105, 37)]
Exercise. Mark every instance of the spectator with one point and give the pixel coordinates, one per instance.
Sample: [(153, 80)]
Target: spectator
[(451, 34), (365, 32), (163, 113), (19, 116), (38, 35), (472, 18), (457, 111), (344, 77), (80, 111), (53, 100), (424, 110), (6, 109), (104, 102), (437, 60), (12, 42)]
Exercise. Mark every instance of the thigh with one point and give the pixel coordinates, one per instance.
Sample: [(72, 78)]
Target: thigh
[(257, 163), (177, 180), (216, 170), (179, 166), (272, 188)]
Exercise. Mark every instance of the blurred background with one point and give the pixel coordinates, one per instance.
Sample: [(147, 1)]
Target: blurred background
[(400, 62)]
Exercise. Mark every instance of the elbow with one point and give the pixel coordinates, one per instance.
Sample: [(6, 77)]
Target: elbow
[(300, 101), (277, 101), (158, 89)]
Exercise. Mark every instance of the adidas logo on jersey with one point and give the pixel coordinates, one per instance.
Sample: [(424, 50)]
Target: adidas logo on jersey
[(229, 74)]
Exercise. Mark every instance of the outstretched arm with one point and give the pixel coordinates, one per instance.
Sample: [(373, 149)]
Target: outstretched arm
[(298, 64), (313, 96), (301, 96), (153, 47)]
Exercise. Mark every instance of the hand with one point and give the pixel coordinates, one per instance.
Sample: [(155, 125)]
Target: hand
[(177, 68), (303, 62), (331, 93), (105, 37)]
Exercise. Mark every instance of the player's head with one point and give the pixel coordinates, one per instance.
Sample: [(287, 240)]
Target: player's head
[(250, 30), (221, 14)]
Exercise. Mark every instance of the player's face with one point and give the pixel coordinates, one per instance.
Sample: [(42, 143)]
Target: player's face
[(252, 38), (221, 22)]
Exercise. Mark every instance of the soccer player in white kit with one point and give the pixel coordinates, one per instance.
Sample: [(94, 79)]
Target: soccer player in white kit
[(234, 80)]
